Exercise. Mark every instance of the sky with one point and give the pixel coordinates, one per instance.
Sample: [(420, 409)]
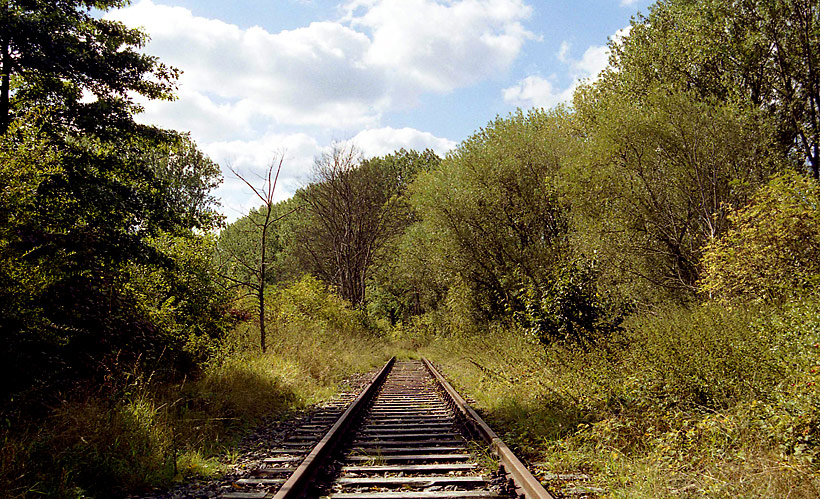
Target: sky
[(265, 78)]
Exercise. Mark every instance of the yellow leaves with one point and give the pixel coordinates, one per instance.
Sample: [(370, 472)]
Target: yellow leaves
[(771, 250)]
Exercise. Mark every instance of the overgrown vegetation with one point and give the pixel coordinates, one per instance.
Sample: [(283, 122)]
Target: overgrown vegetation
[(627, 286), (138, 431), (646, 420)]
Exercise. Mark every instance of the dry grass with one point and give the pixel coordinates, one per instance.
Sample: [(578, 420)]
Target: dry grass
[(146, 434), (708, 402)]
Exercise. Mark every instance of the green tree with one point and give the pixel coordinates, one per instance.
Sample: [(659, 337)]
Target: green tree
[(394, 293), (82, 222), (762, 53), (186, 177), (51, 52), (656, 180), (495, 230), (494, 205), (101, 248)]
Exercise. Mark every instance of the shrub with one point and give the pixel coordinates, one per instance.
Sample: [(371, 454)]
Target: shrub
[(772, 251), (566, 308)]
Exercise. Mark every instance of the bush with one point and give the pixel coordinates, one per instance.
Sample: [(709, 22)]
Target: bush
[(566, 308), (772, 251), (708, 356)]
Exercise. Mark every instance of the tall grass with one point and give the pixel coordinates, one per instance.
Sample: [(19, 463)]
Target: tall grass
[(709, 401), (139, 433)]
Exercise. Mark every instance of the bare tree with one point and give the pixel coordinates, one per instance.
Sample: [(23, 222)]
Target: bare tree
[(351, 215), (250, 269)]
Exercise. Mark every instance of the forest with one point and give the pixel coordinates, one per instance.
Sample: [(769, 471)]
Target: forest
[(628, 285)]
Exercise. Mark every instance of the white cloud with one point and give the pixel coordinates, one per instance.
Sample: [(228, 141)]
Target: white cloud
[(563, 51), (308, 76), (442, 45), (591, 64), (536, 91), (337, 75), (244, 91), (625, 3), (382, 141), (596, 57)]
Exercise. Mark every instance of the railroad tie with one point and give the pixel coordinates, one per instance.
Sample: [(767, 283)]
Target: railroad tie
[(404, 436), (410, 445)]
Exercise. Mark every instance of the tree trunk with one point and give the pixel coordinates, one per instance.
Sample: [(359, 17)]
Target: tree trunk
[(262, 276), (262, 316)]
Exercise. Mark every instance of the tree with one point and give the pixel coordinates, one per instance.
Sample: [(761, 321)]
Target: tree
[(246, 258), (353, 209), (772, 250), (656, 180), (187, 177), (101, 252), (494, 205), (764, 53), (96, 264), (54, 51)]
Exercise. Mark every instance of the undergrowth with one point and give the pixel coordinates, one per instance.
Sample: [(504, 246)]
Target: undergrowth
[(139, 433), (708, 401)]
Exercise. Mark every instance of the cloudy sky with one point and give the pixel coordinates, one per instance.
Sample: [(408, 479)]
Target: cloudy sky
[(265, 76)]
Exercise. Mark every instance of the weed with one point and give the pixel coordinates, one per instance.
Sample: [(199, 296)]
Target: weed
[(709, 401)]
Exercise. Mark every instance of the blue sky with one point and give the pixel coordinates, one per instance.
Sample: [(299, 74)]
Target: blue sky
[(262, 77)]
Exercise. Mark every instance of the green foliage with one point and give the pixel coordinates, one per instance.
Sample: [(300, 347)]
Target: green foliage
[(407, 280), (103, 257), (183, 298), (308, 321), (707, 357), (239, 245), (51, 52), (492, 210), (761, 53), (717, 400), (567, 308), (772, 250), (186, 177), (656, 181), (87, 228)]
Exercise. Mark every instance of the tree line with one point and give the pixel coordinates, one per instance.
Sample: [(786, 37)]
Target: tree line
[(666, 179), (563, 221)]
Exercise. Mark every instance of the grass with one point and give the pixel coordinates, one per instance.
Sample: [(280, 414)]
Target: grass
[(142, 433), (711, 401)]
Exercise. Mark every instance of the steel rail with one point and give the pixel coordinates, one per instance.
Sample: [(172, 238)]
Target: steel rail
[(296, 485), (527, 486)]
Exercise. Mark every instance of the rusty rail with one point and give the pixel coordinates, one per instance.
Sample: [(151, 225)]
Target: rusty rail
[(527, 486), (297, 483)]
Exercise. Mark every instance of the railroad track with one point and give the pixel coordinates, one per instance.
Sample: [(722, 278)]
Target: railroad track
[(407, 435)]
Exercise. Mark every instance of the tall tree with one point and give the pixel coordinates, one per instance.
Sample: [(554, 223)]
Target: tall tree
[(656, 182), (765, 53), (54, 51), (495, 207), (107, 240), (353, 209), (246, 251)]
